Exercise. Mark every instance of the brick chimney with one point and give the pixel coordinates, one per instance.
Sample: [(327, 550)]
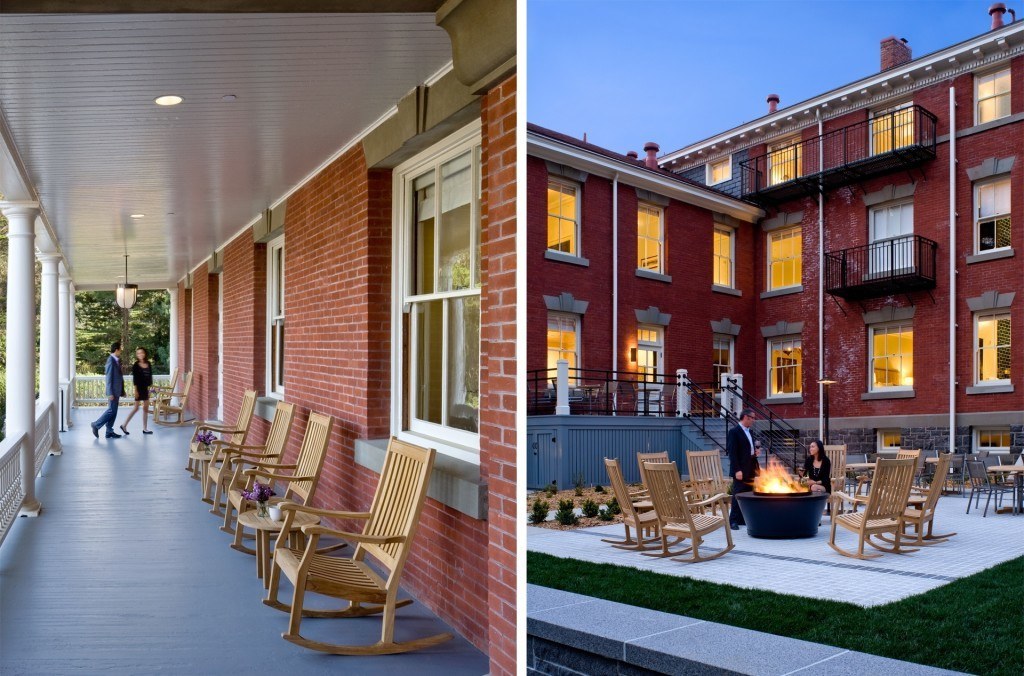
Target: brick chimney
[(773, 103), (996, 11), (895, 52), (651, 148)]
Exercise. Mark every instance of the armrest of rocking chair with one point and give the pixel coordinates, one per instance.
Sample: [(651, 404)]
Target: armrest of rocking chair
[(288, 505), (707, 501), (840, 496), (273, 465), (356, 537), (223, 429), (272, 475)]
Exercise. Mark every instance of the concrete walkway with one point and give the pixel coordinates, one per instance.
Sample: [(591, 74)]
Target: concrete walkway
[(126, 572)]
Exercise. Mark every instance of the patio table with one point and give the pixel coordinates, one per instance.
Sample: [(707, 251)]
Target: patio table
[(264, 526), (1017, 471), (860, 465)]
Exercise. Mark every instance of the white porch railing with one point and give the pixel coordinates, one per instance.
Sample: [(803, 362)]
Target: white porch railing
[(46, 427), (11, 493), (92, 390)]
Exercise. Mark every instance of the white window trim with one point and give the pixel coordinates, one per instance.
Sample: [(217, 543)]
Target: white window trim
[(272, 246), (878, 440), (768, 364), (977, 218), (770, 260), (977, 101), (885, 206), (731, 341), (446, 440), (995, 382), (871, 358), (995, 450), (708, 171), (579, 227), (661, 232), (732, 255)]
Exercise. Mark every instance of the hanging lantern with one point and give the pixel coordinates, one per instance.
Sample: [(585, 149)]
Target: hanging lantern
[(127, 293)]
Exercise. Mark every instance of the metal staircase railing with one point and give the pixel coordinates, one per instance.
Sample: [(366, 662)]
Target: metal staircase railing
[(782, 439), (702, 406)]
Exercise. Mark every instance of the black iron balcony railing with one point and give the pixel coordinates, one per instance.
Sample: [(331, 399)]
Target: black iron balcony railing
[(899, 139), (891, 266)]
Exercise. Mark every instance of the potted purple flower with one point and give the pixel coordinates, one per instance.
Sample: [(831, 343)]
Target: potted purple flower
[(204, 439), (260, 494)]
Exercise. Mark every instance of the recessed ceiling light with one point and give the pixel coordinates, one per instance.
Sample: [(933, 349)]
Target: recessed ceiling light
[(168, 100), (229, 97), (137, 216)]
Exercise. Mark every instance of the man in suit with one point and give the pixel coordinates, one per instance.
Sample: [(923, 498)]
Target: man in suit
[(115, 390), (739, 444)]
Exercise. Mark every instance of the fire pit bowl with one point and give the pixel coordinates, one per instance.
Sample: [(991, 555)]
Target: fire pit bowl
[(782, 516)]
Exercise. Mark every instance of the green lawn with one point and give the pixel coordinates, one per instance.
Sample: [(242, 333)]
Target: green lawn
[(975, 624)]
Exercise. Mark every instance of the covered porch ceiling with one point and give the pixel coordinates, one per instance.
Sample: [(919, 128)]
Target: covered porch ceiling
[(84, 138)]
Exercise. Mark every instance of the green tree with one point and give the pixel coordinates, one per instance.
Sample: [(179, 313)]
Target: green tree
[(99, 323)]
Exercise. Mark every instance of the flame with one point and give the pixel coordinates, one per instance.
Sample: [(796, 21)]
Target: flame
[(776, 479)]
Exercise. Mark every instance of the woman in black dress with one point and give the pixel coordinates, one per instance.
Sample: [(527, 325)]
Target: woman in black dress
[(817, 468), (142, 374)]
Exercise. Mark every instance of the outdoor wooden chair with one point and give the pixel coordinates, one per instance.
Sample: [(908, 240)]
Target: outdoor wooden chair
[(641, 458), (221, 472), (837, 459), (164, 408), (156, 391), (919, 458), (237, 431), (387, 537), (682, 519), (302, 481), (883, 513), (706, 476), (922, 513), (633, 518)]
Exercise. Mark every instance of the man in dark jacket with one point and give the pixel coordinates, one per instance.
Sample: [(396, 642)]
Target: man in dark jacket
[(115, 390), (739, 444)]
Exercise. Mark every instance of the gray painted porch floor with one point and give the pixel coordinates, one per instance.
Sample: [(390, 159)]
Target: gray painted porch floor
[(127, 572)]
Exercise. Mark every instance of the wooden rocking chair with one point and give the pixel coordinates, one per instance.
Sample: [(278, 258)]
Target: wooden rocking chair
[(157, 391), (631, 516), (238, 431), (302, 481), (706, 478), (884, 511), (164, 408), (683, 519), (922, 513), (222, 469), (387, 537)]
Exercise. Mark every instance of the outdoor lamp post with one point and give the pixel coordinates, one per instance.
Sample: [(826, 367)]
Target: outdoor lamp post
[(127, 293), (825, 382)]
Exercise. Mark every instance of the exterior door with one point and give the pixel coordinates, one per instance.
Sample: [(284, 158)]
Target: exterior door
[(892, 242)]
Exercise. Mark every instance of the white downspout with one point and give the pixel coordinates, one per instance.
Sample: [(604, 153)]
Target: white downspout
[(821, 279), (952, 269), (615, 275)]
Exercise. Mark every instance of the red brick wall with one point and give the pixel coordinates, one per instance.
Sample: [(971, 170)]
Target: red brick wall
[(203, 397), (184, 329), (498, 367)]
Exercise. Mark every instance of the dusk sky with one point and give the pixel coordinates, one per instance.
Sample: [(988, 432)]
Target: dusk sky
[(678, 71)]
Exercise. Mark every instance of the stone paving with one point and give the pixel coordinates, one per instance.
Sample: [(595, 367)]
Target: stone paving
[(788, 566)]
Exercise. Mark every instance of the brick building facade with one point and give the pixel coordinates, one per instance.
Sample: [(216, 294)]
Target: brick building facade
[(833, 225)]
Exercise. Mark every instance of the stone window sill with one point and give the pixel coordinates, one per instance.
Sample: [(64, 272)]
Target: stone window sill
[(990, 256), (728, 290), (895, 394), (784, 399), (990, 389), (266, 407), (783, 292), (561, 257), (650, 274)]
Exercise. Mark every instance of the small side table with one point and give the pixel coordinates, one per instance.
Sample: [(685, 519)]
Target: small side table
[(264, 526), (202, 459)]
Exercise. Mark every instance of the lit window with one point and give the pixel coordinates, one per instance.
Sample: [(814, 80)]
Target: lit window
[(563, 340), (992, 357), (892, 128), (436, 354), (275, 317), (719, 171), (892, 357), (993, 441), (721, 357), (785, 367), (785, 253), (889, 441), (992, 93), (892, 246), (784, 161), (992, 215), (650, 239), (563, 217), (723, 257), (650, 352)]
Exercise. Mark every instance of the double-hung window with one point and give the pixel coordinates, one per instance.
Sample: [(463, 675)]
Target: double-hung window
[(275, 317), (724, 257), (992, 353), (992, 215), (436, 340), (650, 243), (785, 254), (785, 367), (564, 217), (892, 357), (992, 96)]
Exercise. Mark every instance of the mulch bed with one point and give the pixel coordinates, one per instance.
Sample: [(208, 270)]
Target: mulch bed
[(578, 500)]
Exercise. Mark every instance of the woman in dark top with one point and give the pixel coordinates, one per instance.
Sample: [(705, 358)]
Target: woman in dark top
[(817, 468), (142, 374)]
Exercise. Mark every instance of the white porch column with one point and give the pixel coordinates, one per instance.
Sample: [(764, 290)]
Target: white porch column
[(64, 344), (73, 356), (21, 338), (49, 352), (173, 358)]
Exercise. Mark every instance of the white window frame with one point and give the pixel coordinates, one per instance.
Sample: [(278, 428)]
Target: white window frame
[(709, 170), (799, 257), (274, 389), (796, 338), (447, 440), (878, 258), (656, 346), (978, 187), (578, 189), (661, 234), (978, 77), (903, 326), (976, 349), (719, 227), (995, 450), (880, 440)]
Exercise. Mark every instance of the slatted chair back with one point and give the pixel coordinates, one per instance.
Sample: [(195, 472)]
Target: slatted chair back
[(186, 390), (667, 494), (311, 457), (641, 458), (706, 472), (280, 429), (244, 419), (397, 503), (169, 387), (938, 482), (890, 489), (619, 488), (836, 454)]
